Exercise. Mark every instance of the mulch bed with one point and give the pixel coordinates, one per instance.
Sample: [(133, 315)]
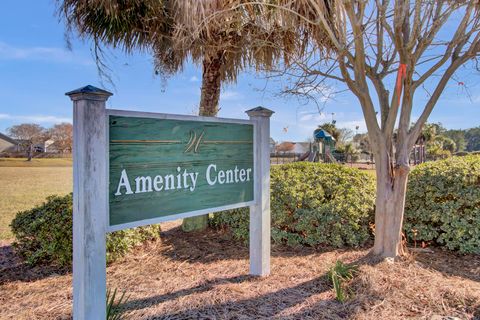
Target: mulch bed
[(205, 276)]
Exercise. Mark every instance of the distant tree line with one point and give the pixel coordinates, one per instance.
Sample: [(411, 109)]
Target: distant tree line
[(30, 137), (466, 140), (439, 141)]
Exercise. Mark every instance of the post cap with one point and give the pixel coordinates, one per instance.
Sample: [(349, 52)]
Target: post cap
[(259, 112), (89, 92)]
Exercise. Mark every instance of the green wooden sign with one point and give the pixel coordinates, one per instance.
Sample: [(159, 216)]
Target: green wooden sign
[(164, 167), (137, 168)]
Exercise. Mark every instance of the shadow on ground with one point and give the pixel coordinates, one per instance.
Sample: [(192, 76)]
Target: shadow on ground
[(202, 276), (13, 268), (466, 266), (285, 303), (200, 247), (214, 245)]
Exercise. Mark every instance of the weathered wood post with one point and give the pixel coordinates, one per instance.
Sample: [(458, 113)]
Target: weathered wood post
[(260, 212), (90, 193)]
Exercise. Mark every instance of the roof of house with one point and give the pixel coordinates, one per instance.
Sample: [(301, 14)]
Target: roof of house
[(285, 146), (8, 139)]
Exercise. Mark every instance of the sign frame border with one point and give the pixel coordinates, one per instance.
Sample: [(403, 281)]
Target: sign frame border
[(168, 116), (90, 195)]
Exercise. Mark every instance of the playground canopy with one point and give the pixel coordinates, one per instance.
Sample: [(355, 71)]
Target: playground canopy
[(320, 134)]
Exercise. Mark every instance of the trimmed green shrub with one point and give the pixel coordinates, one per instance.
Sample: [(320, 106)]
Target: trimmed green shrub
[(44, 234), (313, 204), (443, 203)]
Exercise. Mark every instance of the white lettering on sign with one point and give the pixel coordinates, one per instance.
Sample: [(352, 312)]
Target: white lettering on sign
[(143, 184), (209, 180), (181, 180), (124, 183)]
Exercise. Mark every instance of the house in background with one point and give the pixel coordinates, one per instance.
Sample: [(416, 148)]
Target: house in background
[(7, 143), (293, 147), (285, 147), (273, 144), (47, 146), (301, 147)]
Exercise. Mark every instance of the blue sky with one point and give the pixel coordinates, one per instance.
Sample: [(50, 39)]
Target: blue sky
[(36, 70)]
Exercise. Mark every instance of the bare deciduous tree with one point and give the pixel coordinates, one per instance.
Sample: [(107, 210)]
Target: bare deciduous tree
[(27, 135), (386, 52), (62, 136)]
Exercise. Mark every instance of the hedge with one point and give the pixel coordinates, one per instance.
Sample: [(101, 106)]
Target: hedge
[(443, 204), (313, 204), (43, 235)]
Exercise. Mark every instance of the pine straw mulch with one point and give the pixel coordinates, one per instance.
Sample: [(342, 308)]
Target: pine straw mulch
[(205, 276)]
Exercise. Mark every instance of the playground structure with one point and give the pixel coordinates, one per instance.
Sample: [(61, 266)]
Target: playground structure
[(323, 149), (320, 150)]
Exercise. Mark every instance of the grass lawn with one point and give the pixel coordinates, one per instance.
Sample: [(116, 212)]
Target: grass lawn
[(26, 184), (21, 162)]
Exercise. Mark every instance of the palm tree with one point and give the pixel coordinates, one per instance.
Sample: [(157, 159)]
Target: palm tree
[(225, 37), (236, 34), (350, 152)]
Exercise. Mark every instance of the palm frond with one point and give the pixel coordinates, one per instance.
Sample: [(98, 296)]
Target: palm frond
[(244, 34)]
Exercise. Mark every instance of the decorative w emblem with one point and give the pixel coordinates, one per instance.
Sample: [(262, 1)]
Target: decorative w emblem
[(194, 142)]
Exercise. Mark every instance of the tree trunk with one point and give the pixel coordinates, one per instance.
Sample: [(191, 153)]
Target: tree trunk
[(390, 203), (210, 86), (208, 107), (30, 152)]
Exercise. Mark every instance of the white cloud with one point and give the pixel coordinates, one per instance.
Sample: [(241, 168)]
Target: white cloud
[(352, 125), (322, 93), (53, 54), (312, 117), (34, 118), (194, 79), (309, 121), (230, 95)]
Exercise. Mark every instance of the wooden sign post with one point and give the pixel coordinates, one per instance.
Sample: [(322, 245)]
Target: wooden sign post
[(260, 211), (136, 168), (90, 194)]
